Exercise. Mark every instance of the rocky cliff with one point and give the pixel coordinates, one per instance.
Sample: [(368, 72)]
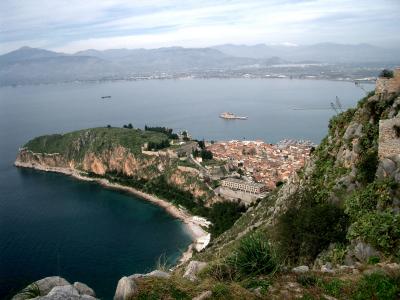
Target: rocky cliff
[(113, 153)]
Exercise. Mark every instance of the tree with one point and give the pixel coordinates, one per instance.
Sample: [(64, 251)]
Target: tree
[(386, 73)]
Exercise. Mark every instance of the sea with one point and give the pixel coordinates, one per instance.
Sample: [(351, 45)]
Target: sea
[(51, 224)]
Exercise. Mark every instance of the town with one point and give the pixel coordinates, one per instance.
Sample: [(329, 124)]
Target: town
[(235, 170)]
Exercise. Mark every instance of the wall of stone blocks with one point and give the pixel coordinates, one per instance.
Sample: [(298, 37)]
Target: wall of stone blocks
[(389, 142)]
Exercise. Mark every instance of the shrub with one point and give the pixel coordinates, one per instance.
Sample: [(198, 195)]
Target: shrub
[(367, 166), (302, 233), (223, 215), (375, 195), (373, 260), (380, 229), (377, 286), (220, 291), (333, 287), (386, 73), (254, 256)]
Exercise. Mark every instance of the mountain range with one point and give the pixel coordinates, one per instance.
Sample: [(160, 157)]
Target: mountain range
[(31, 65)]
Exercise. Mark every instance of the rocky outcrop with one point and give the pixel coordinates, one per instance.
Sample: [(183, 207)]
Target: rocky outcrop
[(127, 286), (118, 160), (56, 288), (126, 289), (193, 269)]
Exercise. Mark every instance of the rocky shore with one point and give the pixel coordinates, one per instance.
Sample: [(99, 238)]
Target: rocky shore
[(199, 236)]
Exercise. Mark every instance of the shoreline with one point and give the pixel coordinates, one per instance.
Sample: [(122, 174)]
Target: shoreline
[(200, 237)]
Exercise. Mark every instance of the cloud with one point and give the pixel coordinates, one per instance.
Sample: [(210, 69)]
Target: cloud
[(72, 25)]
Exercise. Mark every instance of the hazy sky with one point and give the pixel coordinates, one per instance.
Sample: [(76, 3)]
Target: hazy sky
[(72, 25)]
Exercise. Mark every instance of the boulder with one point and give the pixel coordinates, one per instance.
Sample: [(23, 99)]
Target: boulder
[(301, 269), (45, 285), (193, 268), (65, 292), (126, 289), (83, 289), (386, 168), (327, 268), (362, 251), (354, 130)]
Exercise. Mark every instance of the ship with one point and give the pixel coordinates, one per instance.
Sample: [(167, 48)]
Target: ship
[(231, 116), (105, 97)]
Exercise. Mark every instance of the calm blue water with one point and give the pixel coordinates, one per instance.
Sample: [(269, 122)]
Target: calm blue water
[(51, 224)]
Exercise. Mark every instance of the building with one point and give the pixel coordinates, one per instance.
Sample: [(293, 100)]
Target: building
[(241, 185)]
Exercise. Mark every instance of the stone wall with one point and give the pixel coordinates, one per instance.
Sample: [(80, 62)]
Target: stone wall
[(389, 142), (387, 86)]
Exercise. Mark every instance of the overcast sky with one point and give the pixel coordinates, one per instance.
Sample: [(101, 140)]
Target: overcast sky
[(73, 25)]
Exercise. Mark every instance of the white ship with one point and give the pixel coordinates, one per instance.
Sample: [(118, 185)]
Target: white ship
[(231, 116)]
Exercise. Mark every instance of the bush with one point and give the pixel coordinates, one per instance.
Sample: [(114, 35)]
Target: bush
[(302, 233), (377, 286), (386, 73), (333, 287), (223, 215), (380, 229), (254, 256), (376, 195)]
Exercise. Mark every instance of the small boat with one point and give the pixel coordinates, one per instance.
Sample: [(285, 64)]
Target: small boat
[(105, 97), (231, 116)]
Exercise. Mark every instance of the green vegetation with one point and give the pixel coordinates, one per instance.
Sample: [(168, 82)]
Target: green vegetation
[(30, 292), (167, 131), (303, 232), (377, 286), (386, 73), (307, 280), (223, 215), (154, 146), (204, 154), (76, 144), (373, 219), (254, 256)]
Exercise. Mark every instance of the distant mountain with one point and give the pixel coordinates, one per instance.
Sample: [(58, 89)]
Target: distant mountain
[(27, 53), (29, 65), (322, 52)]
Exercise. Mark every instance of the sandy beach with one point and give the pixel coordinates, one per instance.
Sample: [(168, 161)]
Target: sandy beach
[(198, 234)]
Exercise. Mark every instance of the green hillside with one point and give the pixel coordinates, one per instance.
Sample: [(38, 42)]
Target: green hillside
[(74, 145)]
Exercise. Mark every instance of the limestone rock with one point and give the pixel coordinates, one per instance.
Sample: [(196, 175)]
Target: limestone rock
[(126, 289), (327, 268), (45, 285), (203, 296), (155, 273), (65, 292), (301, 269), (193, 268), (159, 274), (354, 130), (83, 289), (363, 251)]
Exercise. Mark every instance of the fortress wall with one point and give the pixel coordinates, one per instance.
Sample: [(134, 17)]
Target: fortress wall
[(389, 142), (388, 86)]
